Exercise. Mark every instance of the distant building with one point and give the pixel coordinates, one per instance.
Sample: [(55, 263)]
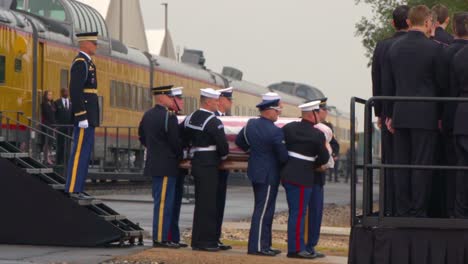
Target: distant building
[(160, 43)]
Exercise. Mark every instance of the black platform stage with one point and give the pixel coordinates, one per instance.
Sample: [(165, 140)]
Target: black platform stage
[(408, 246)]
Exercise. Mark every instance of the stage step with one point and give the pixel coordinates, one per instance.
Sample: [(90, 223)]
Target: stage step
[(58, 186), (89, 202), (113, 217), (10, 155), (39, 170)]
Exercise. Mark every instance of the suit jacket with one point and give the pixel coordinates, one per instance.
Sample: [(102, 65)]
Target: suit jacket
[(443, 36), (265, 141), (445, 69), (459, 79), (83, 76), (412, 61), (159, 133), (378, 59), (48, 113), (303, 138), (63, 116)]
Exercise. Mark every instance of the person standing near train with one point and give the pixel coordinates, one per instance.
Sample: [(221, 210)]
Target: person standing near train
[(174, 232), (85, 107), (224, 109), (412, 64), (204, 134), (307, 152), (159, 134), (265, 143), (400, 15)]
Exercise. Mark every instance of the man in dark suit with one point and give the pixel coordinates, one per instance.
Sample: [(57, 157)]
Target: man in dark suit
[(442, 20), (204, 133), (265, 141), (159, 133), (85, 107), (448, 90), (64, 118), (400, 15), (224, 109), (412, 65), (307, 152), (459, 84)]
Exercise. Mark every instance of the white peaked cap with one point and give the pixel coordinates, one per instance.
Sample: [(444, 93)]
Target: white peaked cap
[(311, 106), (225, 90), (270, 97), (210, 93), (176, 91)]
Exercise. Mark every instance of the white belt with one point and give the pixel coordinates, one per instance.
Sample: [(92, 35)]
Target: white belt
[(300, 156), (201, 149)]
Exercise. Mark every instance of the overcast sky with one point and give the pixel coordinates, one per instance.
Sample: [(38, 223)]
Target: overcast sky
[(271, 40)]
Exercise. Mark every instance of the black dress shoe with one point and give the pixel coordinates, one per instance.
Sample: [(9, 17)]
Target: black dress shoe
[(223, 247), (317, 254), (165, 244), (209, 249), (301, 255), (276, 251), (182, 245), (266, 253)]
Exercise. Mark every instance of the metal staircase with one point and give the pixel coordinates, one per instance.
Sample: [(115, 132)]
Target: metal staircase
[(23, 178)]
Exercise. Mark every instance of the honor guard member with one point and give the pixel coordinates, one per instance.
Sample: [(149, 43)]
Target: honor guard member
[(204, 133), (449, 158), (174, 233), (459, 81), (412, 66), (85, 107), (307, 152), (400, 15), (265, 142), (224, 109), (159, 134), (314, 212)]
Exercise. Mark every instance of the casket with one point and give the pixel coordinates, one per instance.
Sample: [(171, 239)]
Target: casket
[(237, 158)]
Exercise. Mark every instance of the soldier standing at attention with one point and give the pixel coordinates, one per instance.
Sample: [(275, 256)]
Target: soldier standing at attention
[(174, 232), (307, 152), (265, 141), (159, 133), (204, 133), (85, 107), (412, 65), (224, 109)]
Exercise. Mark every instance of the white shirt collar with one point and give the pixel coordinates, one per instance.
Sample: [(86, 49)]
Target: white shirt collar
[(221, 113), (86, 54), (203, 109)]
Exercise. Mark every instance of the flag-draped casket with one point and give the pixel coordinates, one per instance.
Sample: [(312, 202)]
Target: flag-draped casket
[(237, 159)]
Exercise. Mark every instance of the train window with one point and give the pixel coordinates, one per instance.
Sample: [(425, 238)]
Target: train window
[(120, 94), (148, 99), (127, 96), (2, 69), (134, 99), (18, 65), (139, 100), (112, 93), (63, 79), (48, 8)]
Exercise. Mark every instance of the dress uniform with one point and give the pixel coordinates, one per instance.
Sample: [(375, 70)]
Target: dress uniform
[(223, 178), (314, 212), (159, 133), (460, 130), (265, 142), (174, 232), (307, 151), (412, 63), (85, 107), (204, 134)]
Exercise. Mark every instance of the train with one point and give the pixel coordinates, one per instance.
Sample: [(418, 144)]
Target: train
[(38, 44)]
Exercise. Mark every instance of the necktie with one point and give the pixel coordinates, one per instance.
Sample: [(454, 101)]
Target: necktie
[(66, 104)]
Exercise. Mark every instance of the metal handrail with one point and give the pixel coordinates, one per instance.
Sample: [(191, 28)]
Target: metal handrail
[(368, 166)]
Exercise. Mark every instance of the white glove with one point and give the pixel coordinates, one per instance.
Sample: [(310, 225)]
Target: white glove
[(83, 124)]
